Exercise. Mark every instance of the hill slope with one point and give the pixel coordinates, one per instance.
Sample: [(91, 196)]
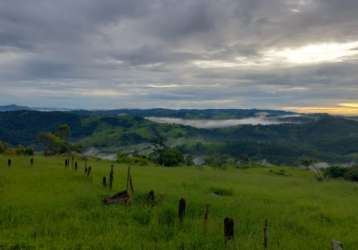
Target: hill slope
[(48, 206)]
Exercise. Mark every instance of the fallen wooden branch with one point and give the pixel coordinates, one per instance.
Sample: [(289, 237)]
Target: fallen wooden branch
[(121, 197)]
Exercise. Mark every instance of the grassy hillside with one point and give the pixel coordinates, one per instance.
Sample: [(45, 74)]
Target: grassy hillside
[(48, 206)]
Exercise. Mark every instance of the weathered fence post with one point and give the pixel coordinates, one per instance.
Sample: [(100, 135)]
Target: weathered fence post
[(337, 245), (32, 161), (76, 165), (228, 229), (206, 215), (104, 181), (151, 198), (111, 177), (9, 162), (266, 235), (66, 163), (130, 188), (86, 170), (181, 209), (89, 169)]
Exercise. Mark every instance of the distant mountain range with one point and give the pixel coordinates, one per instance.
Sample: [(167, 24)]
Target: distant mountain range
[(319, 137)]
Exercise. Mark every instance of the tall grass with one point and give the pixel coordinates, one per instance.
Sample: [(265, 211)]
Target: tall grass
[(48, 206)]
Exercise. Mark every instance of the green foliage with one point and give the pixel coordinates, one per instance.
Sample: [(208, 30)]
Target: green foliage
[(22, 150), (319, 138), (335, 172), (63, 131), (168, 157), (133, 159), (352, 174), (3, 147)]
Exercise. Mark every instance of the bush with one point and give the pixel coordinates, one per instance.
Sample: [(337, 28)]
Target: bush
[(335, 172), (3, 147), (352, 174), (130, 159), (22, 150), (168, 157)]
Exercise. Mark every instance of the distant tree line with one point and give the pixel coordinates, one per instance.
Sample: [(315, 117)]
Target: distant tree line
[(17, 150), (340, 172)]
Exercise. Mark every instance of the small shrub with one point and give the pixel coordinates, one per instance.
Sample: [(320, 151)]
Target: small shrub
[(335, 172), (352, 174)]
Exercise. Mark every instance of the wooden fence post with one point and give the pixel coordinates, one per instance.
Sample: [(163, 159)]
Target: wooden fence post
[(89, 169), (9, 162), (181, 209), (130, 188), (76, 165), (206, 215), (266, 235), (228, 229), (104, 181), (32, 161), (151, 198), (111, 178)]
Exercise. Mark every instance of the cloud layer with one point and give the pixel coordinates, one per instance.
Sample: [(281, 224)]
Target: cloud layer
[(179, 54)]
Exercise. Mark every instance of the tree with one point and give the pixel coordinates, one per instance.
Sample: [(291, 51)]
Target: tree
[(169, 157), (53, 144), (352, 174), (3, 147), (63, 131)]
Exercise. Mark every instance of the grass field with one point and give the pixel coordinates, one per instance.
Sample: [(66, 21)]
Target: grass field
[(48, 206)]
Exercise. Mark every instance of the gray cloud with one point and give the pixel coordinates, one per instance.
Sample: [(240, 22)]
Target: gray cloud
[(108, 53)]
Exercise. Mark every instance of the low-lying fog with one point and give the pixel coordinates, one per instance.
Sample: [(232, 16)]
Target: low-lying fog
[(212, 123)]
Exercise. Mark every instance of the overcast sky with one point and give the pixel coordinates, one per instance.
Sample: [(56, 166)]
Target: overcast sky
[(281, 54)]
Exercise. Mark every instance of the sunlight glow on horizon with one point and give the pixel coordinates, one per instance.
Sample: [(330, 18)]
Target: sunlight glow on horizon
[(350, 109), (307, 54)]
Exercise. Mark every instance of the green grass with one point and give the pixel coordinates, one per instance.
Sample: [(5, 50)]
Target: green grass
[(47, 206)]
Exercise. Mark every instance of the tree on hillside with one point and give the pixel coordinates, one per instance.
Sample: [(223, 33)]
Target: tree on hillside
[(3, 147), (63, 131), (56, 142)]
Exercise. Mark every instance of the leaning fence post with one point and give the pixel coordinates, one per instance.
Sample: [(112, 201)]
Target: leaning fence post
[(89, 169), (228, 229), (206, 215), (111, 177), (337, 245), (130, 182), (181, 209), (266, 235), (151, 198), (104, 181)]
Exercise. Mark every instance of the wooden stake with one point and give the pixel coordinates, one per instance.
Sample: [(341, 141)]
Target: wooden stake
[(104, 181), (111, 178), (228, 229), (181, 209), (130, 188), (266, 235)]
